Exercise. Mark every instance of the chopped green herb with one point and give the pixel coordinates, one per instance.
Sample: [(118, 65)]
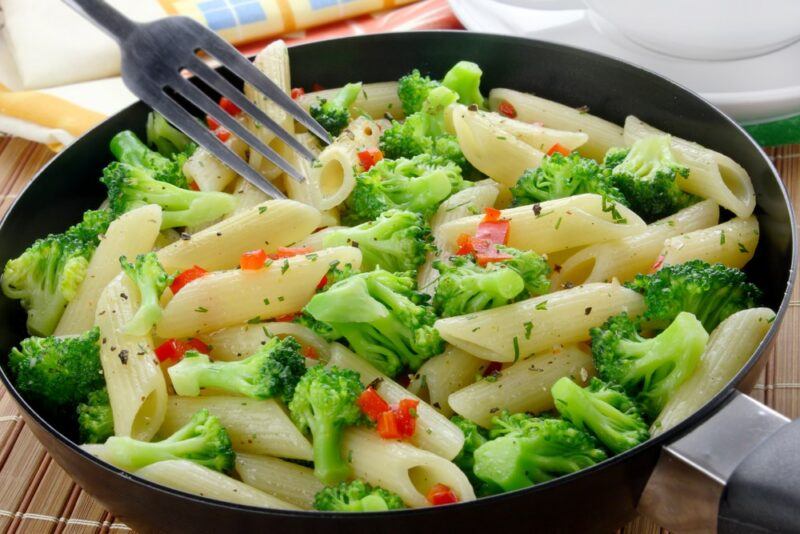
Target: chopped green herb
[(285, 266), (254, 320), (262, 210), (201, 309), (558, 222), (743, 249), (516, 348), (266, 302), (722, 237), (528, 327), (542, 305)]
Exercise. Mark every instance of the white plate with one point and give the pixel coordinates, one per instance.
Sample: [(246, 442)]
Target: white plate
[(750, 90)]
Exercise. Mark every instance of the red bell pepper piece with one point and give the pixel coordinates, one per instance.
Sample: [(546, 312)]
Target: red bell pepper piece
[(372, 404), (229, 107), (441, 494), (406, 417), (558, 147), (252, 260), (387, 425), (507, 108), (287, 252), (297, 92), (369, 157), (173, 349), (187, 276), (310, 352)]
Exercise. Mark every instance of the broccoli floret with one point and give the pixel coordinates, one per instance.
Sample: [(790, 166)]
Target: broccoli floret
[(128, 149), (648, 178), (652, 368), (272, 372), (474, 437), (48, 274), (202, 440), (58, 373), (419, 185), (324, 330), (131, 187), (413, 89), (167, 139), (357, 496), (710, 292), (465, 79), (534, 450), (334, 114), (151, 279), (465, 287), (395, 241), (324, 403), (95, 419), (561, 176), (603, 410), (383, 319)]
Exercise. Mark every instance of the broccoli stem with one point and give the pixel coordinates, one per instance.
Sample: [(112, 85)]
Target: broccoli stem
[(465, 79), (167, 139), (329, 467), (127, 148), (347, 95)]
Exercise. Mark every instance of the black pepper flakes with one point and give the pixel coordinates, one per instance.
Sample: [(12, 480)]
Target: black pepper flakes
[(185, 236), (494, 410), (588, 310), (123, 356), (537, 209), (557, 268), (473, 107), (123, 296)]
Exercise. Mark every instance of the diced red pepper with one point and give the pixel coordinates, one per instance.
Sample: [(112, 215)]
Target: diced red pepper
[(187, 276), (372, 404), (658, 264), (441, 494), (491, 214), (317, 87), (286, 252), (507, 109), (492, 368), (493, 231), (198, 345), (229, 107), (193, 186), (297, 92), (491, 255), (322, 282), (369, 157), (288, 318), (173, 349), (465, 245), (212, 122), (387, 425), (309, 352), (406, 417), (558, 147), (222, 134), (253, 259)]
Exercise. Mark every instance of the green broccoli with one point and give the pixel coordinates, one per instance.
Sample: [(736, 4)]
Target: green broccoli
[(382, 318), (151, 279), (603, 410), (357, 496), (648, 177), (561, 176), (48, 274), (95, 419), (465, 79), (128, 149), (531, 450), (202, 440), (710, 292), (131, 187), (474, 437), (419, 185), (58, 373), (167, 139), (324, 403), (413, 89), (464, 287), (652, 368), (396, 241), (272, 372), (334, 114)]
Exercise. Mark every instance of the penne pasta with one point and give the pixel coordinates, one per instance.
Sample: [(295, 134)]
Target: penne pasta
[(511, 332), (375, 100), (268, 226), (434, 431), (227, 298), (255, 426), (295, 484), (241, 341), (189, 477), (134, 232), (137, 390), (524, 386), (555, 225), (402, 468), (444, 374), (732, 243), (248, 195), (731, 344), (529, 108), (625, 258), (209, 173), (711, 174)]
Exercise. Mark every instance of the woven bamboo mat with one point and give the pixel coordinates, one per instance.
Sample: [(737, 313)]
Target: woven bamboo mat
[(37, 496)]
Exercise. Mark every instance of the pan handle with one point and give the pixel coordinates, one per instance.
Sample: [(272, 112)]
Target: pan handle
[(737, 472)]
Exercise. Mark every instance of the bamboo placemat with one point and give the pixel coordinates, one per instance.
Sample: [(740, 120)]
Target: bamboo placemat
[(37, 496)]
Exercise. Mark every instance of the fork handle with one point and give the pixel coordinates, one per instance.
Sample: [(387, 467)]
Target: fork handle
[(104, 17)]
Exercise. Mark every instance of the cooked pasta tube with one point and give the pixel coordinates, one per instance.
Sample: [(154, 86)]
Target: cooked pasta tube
[(556, 224), (269, 225), (524, 386), (137, 390), (731, 344), (256, 426), (241, 341), (375, 99), (185, 475), (247, 195), (402, 468), (444, 374), (711, 174), (529, 108), (536, 135), (490, 148), (625, 258), (333, 173), (287, 481), (132, 233), (434, 431), (511, 332), (209, 173), (227, 298), (731, 243)]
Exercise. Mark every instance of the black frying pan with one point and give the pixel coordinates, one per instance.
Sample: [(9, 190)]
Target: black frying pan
[(600, 498)]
